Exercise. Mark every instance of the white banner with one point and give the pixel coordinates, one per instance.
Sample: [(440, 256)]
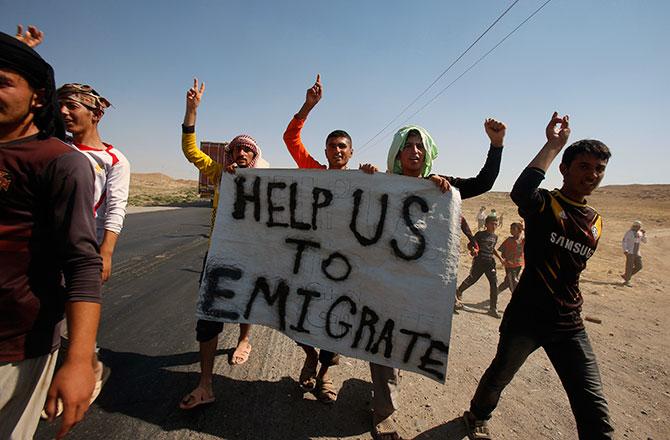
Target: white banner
[(362, 265)]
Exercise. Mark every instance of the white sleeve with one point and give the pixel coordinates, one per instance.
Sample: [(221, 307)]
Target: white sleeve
[(118, 181), (628, 242)]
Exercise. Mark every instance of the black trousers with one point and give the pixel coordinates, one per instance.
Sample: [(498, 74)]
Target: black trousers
[(482, 266)]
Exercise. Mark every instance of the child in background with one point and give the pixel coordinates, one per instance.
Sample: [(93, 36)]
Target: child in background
[(481, 218), (511, 251), (484, 264)]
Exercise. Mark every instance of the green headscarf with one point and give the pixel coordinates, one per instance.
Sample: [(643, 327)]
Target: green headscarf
[(398, 143)]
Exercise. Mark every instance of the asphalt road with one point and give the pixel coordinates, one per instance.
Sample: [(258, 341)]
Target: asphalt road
[(147, 338)]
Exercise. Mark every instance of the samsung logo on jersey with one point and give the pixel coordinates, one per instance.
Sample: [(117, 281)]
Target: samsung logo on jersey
[(571, 245)]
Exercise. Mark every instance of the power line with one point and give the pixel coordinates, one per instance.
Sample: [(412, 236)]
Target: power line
[(467, 70), (444, 72)]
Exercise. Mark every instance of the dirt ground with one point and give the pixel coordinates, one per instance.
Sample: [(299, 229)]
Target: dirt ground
[(631, 343)]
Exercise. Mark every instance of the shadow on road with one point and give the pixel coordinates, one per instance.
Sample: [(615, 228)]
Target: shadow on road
[(149, 388)]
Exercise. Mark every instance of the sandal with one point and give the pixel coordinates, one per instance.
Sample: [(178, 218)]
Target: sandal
[(326, 391), (241, 353), (307, 377), (195, 398), (477, 429)]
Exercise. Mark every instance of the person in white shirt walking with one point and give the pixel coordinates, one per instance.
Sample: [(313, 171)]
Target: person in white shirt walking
[(631, 243), (82, 109)]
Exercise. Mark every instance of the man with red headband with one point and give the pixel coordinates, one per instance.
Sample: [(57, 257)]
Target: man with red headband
[(48, 252), (82, 108)]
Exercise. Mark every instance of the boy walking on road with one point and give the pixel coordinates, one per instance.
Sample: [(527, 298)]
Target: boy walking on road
[(483, 264), (562, 233)]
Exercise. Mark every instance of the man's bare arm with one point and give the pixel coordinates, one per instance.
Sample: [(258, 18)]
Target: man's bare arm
[(75, 380)]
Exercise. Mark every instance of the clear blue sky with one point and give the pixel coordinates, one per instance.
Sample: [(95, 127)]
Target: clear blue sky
[(604, 62)]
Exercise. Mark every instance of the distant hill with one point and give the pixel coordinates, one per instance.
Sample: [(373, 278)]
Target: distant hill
[(156, 189)]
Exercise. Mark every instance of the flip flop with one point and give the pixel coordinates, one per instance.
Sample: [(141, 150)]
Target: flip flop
[(194, 399), (240, 355), (326, 391)]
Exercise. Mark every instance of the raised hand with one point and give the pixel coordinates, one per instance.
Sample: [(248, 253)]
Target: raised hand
[(32, 37), (314, 93), (558, 131), (194, 95), (495, 131)]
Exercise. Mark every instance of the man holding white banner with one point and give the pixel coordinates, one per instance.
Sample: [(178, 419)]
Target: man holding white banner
[(339, 150), (412, 154)]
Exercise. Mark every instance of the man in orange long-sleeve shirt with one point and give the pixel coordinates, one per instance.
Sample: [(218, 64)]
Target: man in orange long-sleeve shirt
[(338, 153), (338, 143)]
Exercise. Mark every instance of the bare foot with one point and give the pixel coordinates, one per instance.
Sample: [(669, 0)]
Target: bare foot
[(307, 377)]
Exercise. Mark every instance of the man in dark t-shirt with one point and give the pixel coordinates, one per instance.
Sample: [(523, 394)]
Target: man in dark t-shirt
[(49, 262), (562, 233)]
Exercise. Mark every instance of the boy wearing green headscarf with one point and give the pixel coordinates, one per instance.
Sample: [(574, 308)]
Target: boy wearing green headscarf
[(412, 153)]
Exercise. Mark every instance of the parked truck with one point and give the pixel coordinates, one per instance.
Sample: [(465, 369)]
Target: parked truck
[(215, 150)]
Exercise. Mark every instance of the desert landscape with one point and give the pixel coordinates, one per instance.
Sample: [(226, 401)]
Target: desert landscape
[(156, 189), (629, 329)]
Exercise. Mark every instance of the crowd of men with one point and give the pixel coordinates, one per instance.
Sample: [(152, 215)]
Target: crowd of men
[(62, 202)]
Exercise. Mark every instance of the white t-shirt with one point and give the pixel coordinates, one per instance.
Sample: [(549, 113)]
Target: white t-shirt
[(112, 179)]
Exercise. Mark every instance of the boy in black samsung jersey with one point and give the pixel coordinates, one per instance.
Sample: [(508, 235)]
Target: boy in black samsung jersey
[(562, 233)]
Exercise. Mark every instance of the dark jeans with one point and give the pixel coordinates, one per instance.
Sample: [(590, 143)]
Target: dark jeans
[(482, 266), (574, 361)]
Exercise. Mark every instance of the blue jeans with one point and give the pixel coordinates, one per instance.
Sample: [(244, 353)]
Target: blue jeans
[(574, 361)]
